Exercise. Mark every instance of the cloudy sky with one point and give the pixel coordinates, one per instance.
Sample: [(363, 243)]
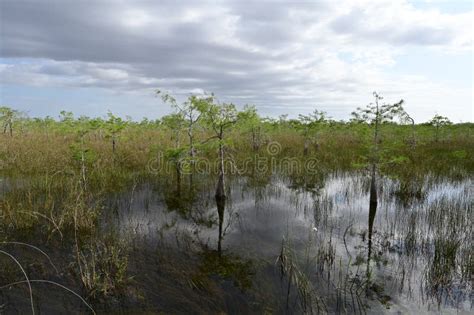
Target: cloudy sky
[(283, 56)]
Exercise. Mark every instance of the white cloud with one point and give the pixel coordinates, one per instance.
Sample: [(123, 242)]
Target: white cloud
[(135, 18)]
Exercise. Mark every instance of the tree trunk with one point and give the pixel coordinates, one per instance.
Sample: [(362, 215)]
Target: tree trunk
[(373, 195), (372, 211), (178, 179), (220, 189), (220, 202), (192, 154)]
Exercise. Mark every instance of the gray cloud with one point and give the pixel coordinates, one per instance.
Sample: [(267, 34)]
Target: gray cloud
[(268, 53)]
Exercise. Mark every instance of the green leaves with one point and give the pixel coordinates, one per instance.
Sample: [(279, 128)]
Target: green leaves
[(114, 124), (192, 108), (79, 153), (379, 113), (221, 116), (7, 117), (175, 154), (166, 98), (248, 118), (315, 118), (173, 121), (438, 121), (6, 113), (197, 104)]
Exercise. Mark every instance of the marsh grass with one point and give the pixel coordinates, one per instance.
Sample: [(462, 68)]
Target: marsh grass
[(56, 184), (289, 268), (102, 268)]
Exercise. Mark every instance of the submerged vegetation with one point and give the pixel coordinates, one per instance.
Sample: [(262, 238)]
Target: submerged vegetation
[(188, 212)]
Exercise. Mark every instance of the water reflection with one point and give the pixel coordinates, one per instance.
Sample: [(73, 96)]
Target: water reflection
[(220, 202), (412, 251), (372, 211)]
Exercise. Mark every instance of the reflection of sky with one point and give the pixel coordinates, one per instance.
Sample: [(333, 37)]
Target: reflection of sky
[(258, 225), (342, 200)]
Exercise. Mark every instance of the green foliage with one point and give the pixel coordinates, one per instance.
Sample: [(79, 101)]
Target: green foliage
[(360, 165), (79, 153), (113, 125), (8, 116), (59, 157), (314, 119), (379, 113), (103, 268), (399, 160), (239, 132), (175, 154), (439, 121), (220, 116), (67, 118), (460, 154), (249, 116)]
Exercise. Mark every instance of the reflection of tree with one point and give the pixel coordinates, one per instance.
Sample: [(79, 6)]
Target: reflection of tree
[(258, 183), (372, 212), (410, 189), (181, 202), (225, 221), (229, 267), (220, 202), (190, 205), (307, 182)]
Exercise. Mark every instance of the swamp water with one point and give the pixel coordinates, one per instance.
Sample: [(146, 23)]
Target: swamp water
[(413, 254), (295, 245)]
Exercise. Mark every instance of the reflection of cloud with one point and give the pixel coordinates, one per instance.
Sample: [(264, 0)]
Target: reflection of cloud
[(327, 53)]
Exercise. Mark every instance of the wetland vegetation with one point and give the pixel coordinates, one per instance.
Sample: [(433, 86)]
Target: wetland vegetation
[(217, 210)]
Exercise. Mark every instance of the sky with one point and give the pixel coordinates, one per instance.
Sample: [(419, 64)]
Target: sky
[(284, 57)]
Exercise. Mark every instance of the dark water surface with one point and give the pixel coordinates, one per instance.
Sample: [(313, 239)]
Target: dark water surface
[(307, 244), (412, 254)]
